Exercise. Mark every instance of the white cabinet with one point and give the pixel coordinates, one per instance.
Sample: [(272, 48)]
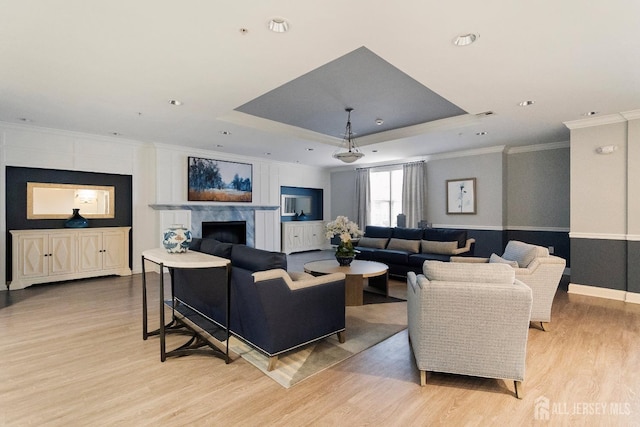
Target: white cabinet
[(42, 256), (298, 236)]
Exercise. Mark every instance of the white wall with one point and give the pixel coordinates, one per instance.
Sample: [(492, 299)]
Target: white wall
[(159, 175)]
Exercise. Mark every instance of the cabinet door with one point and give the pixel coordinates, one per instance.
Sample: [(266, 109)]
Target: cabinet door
[(90, 258), (113, 249), (33, 257), (62, 254), (295, 236), (317, 235)]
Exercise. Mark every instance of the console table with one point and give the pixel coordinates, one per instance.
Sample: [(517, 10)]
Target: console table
[(190, 259)]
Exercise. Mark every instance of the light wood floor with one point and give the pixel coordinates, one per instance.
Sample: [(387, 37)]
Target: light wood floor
[(72, 354)]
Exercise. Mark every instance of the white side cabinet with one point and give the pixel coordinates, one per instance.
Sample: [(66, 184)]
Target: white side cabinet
[(42, 256), (298, 236)]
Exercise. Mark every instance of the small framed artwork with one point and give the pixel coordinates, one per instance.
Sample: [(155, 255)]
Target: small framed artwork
[(219, 181), (461, 196)]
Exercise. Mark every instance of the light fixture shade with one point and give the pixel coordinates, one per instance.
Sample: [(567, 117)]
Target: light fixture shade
[(348, 156), (278, 25), (353, 153)]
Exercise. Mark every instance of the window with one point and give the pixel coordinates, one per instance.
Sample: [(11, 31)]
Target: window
[(386, 197)]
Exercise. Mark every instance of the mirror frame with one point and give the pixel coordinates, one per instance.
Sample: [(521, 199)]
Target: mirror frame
[(33, 185), (284, 197)]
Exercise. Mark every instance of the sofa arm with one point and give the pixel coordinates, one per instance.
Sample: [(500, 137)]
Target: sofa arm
[(297, 280), (466, 248)]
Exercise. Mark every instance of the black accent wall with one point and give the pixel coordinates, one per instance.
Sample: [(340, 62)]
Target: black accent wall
[(16, 200), (317, 202)]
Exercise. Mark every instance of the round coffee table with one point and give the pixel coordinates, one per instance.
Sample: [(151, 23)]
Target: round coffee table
[(356, 274)]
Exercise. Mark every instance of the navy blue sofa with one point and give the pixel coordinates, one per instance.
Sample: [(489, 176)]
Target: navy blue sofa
[(269, 309), (406, 249)]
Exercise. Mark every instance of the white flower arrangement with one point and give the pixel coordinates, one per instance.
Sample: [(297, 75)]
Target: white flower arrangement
[(344, 228)]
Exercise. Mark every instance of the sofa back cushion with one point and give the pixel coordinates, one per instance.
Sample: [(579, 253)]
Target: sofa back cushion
[(446, 235), (407, 245), (498, 259), (523, 253), (253, 259), (216, 248), (468, 272), (407, 233), (376, 231)]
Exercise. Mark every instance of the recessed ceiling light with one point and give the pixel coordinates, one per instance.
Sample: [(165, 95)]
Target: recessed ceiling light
[(465, 39), (225, 132), (590, 113), (481, 133), (278, 25), (219, 145), (526, 103), (116, 133), (175, 102), (244, 31), (267, 154), (24, 119), (379, 122), (309, 149), (374, 151)]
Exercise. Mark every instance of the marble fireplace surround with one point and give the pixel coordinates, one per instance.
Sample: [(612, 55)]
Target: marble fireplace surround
[(206, 212)]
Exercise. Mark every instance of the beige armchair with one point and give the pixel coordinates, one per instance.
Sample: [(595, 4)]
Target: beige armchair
[(469, 319), (534, 266)]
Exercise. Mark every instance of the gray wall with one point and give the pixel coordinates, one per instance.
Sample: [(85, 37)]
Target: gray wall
[(605, 205), (535, 205), (538, 188), (343, 194)]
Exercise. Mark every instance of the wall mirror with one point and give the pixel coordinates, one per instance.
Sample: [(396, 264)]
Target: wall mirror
[(292, 205), (57, 201)]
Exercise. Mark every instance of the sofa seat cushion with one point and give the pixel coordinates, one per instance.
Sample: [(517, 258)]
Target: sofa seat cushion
[(373, 242), (388, 256), (435, 247), (365, 253), (417, 260), (406, 245), (469, 272), (446, 235)]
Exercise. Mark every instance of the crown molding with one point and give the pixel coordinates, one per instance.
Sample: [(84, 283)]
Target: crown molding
[(631, 115), (467, 153), (538, 147), (596, 121)]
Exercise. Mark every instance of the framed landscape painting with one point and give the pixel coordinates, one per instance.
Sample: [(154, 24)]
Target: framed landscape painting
[(219, 181), (461, 196)]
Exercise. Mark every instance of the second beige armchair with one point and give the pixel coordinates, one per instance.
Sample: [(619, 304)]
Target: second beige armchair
[(534, 266)]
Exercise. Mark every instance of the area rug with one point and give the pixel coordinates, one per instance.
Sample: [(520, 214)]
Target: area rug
[(366, 326)]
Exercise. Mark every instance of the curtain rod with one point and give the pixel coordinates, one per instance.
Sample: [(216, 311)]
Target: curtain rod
[(393, 164)]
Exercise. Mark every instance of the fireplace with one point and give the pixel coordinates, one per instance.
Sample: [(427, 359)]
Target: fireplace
[(226, 231)]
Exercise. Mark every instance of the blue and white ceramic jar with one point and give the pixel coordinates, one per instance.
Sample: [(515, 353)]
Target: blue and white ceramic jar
[(176, 239)]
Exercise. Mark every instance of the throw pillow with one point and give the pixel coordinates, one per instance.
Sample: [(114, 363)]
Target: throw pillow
[(442, 248), (498, 259), (412, 246), (522, 253), (373, 242)]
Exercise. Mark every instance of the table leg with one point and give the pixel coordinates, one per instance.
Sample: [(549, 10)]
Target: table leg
[(163, 350), (353, 288), (145, 335)]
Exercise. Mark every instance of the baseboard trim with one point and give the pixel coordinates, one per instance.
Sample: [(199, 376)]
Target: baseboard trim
[(633, 298), (595, 291)]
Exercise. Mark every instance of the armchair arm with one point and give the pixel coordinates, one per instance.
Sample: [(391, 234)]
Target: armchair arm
[(296, 280)]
